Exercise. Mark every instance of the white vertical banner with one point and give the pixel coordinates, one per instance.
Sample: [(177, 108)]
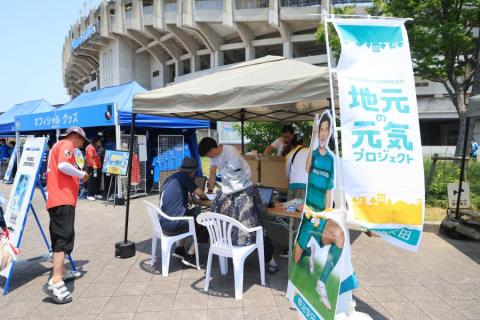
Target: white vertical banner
[(381, 148), (22, 191)]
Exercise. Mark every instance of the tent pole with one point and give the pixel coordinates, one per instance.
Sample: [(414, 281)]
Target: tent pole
[(57, 133), (18, 144), (126, 248), (118, 142), (242, 123), (462, 170)]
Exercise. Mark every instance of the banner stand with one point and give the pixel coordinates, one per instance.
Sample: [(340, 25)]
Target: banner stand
[(44, 237), (111, 192)]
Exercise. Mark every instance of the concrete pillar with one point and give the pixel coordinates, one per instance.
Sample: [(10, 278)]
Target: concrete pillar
[(288, 49), (216, 58), (194, 62), (249, 53)]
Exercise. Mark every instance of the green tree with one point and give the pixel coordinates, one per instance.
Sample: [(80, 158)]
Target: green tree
[(262, 134), (443, 46)]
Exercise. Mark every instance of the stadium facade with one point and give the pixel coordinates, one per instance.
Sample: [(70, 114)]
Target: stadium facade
[(160, 42)]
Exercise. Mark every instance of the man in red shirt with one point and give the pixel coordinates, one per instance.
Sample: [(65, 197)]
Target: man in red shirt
[(62, 187), (94, 166)]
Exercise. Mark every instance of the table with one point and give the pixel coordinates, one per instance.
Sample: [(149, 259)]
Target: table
[(278, 213)]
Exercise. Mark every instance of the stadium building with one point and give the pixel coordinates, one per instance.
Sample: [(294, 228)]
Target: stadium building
[(161, 42)]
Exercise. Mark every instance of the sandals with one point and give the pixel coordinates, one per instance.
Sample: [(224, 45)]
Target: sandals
[(272, 269), (58, 292), (71, 275)]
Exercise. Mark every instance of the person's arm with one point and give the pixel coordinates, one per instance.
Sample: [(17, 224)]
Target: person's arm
[(310, 150), (70, 170), (199, 192), (268, 150), (211, 178), (328, 199)]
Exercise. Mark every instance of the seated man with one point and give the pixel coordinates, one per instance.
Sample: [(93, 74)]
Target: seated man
[(174, 203)]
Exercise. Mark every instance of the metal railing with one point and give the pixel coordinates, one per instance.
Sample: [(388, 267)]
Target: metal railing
[(301, 3), (209, 4), (251, 4)]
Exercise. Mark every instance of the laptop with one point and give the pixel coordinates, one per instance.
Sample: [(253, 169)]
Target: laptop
[(266, 193), (201, 182)]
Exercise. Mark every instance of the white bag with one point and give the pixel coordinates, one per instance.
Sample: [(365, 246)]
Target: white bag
[(7, 255)]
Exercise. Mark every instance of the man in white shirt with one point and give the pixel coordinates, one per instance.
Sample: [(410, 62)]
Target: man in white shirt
[(233, 169), (288, 131)]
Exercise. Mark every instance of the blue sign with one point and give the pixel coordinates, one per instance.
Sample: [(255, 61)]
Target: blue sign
[(83, 37), (93, 116)]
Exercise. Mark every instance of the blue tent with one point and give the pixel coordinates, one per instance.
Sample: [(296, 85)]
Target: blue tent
[(123, 96), (7, 119)]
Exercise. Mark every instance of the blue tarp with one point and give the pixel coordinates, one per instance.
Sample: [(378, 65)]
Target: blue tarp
[(7, 119)]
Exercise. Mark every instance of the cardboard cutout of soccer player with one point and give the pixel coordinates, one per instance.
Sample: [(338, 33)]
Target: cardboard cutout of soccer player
[(315, 269)]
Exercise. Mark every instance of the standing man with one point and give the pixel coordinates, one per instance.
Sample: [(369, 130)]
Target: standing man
[(288, 131), (474, 152), (94, 166), (62, 186)]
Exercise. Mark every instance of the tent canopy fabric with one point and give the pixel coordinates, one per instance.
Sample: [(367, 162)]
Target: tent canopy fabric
[(123, 95), (7, 119), (267, 89), (474, 106)]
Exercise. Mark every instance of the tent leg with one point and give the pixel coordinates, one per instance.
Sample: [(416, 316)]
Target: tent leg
[(242, 124), (126, 248), (462, 170)]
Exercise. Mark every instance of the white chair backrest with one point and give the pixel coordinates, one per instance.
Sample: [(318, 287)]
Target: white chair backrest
[(155, 213), (219, 228)]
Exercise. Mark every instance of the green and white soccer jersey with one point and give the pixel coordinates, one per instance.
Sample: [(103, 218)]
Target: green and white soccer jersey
[(320, 179)]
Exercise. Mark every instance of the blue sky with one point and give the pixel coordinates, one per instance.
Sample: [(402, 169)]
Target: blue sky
[(32, 34)]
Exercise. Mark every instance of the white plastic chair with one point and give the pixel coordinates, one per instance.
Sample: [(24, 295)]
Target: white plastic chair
[(220, 230), (166, 242)]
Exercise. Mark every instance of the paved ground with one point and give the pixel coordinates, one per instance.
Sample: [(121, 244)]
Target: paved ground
[(442, 281)]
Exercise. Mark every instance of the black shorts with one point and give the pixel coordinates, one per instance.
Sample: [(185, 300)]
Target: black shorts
[(62, 231)]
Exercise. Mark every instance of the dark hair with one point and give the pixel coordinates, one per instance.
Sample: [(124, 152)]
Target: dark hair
[(297, 140), (206, 145), (288, 128), (95, 139), (325, 117)]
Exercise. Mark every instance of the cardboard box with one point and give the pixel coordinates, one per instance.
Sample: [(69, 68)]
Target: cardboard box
[(254, 165), (272, 173)]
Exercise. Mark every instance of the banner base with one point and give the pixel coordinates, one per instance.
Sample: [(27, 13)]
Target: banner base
[(125, 250)]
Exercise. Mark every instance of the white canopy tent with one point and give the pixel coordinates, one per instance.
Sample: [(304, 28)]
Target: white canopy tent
[(266, 89)]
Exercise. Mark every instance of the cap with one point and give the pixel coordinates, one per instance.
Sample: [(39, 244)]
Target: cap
[(189, 165), (76, 130)]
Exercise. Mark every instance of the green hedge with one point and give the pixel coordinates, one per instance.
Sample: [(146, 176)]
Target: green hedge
[(446, 172)]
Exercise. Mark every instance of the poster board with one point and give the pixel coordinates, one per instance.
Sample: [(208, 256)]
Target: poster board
[(22, 191), (115, 162), (452, 189), (319, 265), (142, 148)]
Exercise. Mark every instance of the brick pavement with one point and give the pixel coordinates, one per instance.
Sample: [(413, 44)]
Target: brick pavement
[(441, 281)]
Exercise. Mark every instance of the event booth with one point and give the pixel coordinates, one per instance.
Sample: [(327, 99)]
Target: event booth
[(107, 112), (7, 119)]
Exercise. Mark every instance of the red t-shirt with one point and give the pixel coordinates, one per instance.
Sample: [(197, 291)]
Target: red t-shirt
[(91, 153), (62, 189)]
